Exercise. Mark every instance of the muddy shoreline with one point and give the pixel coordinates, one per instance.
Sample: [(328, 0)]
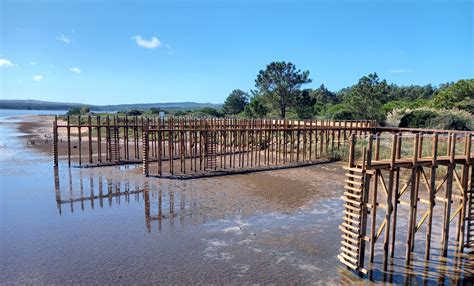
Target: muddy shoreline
[(272, 227)]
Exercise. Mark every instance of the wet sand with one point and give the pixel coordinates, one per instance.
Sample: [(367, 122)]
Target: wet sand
[(111, 225)]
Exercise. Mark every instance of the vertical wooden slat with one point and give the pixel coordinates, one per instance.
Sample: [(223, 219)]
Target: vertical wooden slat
[(89, 135), (448, 197), (413, 202), (432, 190), (80, 139), (55, 141), (68, 141)]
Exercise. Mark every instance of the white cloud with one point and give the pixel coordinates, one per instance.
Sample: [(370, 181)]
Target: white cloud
[(400, 71), (76, 70), (64, 38), (38, 77), (151, 44), (5, 63), (33, 63)]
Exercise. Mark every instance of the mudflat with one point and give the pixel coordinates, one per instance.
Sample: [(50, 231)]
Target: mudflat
[(112, 225)]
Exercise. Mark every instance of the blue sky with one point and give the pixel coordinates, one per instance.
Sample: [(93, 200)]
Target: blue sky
[(111, 52)]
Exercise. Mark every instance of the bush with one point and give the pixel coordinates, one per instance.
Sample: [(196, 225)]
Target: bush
[(450, 96), (74, 111), (134, 112), (453, 120), (403, 104), (417, 118), (210, 111), (155, 110), (339, 112), (438, 119), (394, 117), (84, 110)]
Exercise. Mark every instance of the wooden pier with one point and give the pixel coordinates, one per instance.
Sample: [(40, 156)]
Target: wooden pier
[(190, 147), (419, 175)]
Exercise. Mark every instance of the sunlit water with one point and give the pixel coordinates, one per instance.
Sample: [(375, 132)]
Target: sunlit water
[(110, 225)]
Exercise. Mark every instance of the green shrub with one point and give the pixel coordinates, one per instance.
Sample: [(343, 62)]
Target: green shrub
[(453, 120), (339, 112), (134, 112), (418, 118), (438, 119)]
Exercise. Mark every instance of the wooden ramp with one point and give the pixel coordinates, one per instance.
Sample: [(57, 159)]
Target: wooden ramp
[(353, 243), (470, 213), (114, 145), (211, 150)]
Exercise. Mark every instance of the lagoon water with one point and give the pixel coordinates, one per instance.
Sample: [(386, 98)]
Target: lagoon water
[(110, 225)]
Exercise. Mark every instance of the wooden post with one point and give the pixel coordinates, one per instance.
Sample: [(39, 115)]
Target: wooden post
[(99, 140), (449, 190), (373, 211), (432, 190), (107, 139), (413, 202), (298, 132), (388, 213), (145, 147), (366, 165), (89, 130), (170, 144), (68, 142), (55, 141), (159, 156), (80, 139), (396, 197), (465, 184)]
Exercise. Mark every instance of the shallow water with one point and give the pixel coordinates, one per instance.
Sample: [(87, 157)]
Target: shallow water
[(110, 225)]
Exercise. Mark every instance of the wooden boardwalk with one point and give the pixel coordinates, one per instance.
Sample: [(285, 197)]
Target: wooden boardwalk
[(425, 184), (183, 145)]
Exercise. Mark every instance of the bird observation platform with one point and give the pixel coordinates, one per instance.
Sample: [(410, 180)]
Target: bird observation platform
[(184, 148)]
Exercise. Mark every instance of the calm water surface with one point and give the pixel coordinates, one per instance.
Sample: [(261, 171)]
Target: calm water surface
[(110, 225)]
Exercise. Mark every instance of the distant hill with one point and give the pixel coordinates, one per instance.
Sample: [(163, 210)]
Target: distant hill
[(48, 105)]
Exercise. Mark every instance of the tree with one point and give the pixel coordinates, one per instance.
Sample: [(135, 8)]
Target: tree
[(412, 92), (365, 99), (155, 110), (279, 84), (134, 112), (210, 111), (235, 103), (85, 110), (460, 95), (256, 108), (79, 110), (304, 105), (323, 96)]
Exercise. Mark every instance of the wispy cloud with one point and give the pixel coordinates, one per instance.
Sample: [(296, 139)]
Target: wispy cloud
[(5, 63), (33, 63), (38, 78), (64, 38), (170, 49), (400, 70), (150, 44), (75, 70)]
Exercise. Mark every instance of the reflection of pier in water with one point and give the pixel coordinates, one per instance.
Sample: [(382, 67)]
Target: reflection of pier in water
[(161, 202)]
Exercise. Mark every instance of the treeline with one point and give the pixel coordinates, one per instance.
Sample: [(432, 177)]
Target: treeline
[(278, 93)]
